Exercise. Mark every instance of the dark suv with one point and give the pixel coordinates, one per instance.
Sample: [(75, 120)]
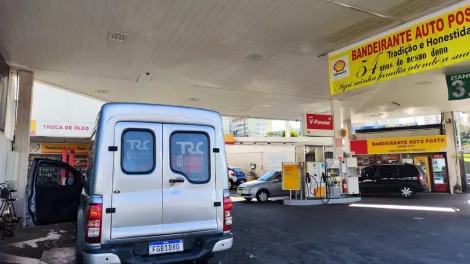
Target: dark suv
[(405, 179)]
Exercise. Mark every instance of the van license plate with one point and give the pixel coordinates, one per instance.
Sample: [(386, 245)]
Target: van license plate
[(162, 247)]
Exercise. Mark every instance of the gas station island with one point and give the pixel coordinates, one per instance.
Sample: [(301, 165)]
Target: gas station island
[(394, 67), (341, 67)]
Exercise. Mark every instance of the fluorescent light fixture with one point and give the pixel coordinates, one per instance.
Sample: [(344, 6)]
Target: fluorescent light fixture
[(406, 207)]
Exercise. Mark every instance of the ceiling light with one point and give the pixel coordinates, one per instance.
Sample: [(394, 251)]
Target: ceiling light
[(101, 91), (380, 114), (116, 36), (423, 83), (254, 57)]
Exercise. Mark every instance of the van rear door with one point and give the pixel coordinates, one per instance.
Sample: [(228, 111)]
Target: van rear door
[(137, 180), (189, 195)]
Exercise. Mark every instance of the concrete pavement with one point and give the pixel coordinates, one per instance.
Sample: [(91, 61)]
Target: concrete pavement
[(273, 233)]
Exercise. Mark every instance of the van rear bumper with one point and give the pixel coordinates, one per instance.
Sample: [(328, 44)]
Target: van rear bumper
[(199, 247)]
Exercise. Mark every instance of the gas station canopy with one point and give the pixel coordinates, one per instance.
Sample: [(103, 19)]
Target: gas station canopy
[(260, 58)]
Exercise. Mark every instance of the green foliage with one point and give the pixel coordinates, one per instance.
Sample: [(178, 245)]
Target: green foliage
[(293, 133), (272, 134)]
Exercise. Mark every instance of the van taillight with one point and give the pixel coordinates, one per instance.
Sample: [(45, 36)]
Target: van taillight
[(93, 223), (421, 178), (227, 211)]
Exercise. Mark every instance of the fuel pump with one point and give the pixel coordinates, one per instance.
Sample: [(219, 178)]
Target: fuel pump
[(315, 180)]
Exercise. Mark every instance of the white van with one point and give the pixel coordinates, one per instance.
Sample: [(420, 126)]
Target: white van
[(156, 190)]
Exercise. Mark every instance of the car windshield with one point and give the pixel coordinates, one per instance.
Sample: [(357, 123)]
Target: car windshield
[(268, 176)]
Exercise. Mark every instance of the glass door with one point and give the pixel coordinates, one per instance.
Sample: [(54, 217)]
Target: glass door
[(439, 169)]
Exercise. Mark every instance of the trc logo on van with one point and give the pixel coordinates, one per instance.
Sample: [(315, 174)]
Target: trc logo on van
[(191, 147), (139, 144)]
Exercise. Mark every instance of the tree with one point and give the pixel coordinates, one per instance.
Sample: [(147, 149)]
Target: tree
[(271, 134), (293, 133), (464, 131), (464, 134)]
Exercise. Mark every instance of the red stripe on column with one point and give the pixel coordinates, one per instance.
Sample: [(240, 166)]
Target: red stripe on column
[(359, 147)]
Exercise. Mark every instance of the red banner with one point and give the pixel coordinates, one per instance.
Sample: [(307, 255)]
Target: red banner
[(318, 125), (319, 122)]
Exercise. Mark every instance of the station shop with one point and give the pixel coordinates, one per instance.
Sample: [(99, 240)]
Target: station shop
[(62, 141), (428, 152), (75, 154)]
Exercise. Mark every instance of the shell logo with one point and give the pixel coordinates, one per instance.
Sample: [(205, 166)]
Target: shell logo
[(339, 65)]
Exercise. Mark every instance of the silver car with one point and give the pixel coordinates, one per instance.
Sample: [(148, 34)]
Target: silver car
[(156, 190), (269, 185)]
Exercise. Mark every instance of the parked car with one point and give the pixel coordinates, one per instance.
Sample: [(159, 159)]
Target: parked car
[(268, 185), (403, 179), (156, 192), (235, 177)]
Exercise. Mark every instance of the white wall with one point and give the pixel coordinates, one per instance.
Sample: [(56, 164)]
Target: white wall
[(266, 157), (54, 104)]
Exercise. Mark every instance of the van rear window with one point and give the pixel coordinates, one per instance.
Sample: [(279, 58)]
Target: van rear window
[(190, 156), (138, 151)]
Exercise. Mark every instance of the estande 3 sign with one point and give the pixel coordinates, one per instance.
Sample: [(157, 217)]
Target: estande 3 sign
[(318, 125), (431, 43)]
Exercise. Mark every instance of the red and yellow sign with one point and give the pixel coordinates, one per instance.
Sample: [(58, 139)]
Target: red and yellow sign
[(427, 44), (290, 176), (56, 148), (425, 144), (229, 139)]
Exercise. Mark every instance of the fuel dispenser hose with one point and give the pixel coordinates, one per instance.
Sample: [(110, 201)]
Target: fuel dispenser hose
[(308, 183)]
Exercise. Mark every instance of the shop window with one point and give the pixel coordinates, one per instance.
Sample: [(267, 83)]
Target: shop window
[(190, 156), (138, 151), (387, 171)]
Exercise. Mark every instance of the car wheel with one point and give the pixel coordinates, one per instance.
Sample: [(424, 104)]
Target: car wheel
[(230, 184), (248, 199), (407, 192), (262, 196)]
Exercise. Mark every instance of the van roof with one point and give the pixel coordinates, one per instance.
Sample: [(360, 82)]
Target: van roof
[(110, 110), (115, 105)]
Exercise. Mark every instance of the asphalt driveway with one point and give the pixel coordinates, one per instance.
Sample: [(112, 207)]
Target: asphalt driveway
[(273, 233)]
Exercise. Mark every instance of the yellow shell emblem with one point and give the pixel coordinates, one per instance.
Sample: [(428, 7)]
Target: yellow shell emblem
[(339, 65)]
